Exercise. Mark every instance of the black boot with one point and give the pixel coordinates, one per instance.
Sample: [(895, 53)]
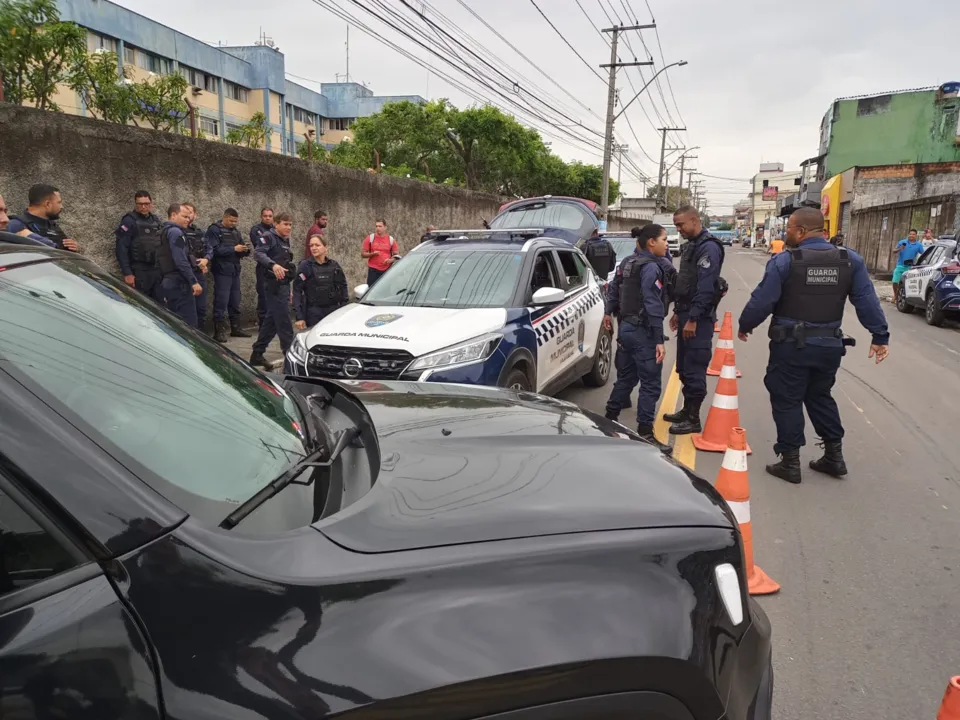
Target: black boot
[(832, 462), (788, 468), (258, 360), (237, 331), (691, 421), (679, 416), (646, 433), (610, 415), (220, 332)]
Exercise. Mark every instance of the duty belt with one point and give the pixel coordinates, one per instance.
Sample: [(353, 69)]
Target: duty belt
[(632, 319), (801, 331)]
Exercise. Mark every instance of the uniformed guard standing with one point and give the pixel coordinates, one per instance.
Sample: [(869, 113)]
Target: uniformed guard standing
[(200, 254), (698, 292), (806, 289), (40, 218), (639, 296), (274, 255), (601, 256), (320, 286), (256, 232), (228, 247), (138, 238), (177, 280)]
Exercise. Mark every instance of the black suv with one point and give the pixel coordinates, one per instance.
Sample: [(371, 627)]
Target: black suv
[(182, 536)]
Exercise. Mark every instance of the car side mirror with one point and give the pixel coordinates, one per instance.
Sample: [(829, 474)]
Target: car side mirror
[(548, 296), (361, 290)]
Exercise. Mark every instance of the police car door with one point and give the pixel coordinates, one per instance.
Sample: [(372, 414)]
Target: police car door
[(549, 323), (917, 279), (583, 293)]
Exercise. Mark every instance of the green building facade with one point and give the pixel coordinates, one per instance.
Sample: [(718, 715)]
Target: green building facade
[(914, 126)]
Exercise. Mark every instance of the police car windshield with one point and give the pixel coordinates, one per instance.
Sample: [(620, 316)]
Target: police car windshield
[(623, 246), (192, 421), (450, 278)]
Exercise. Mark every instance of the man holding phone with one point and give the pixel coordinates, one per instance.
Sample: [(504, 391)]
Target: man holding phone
[(380, 251)]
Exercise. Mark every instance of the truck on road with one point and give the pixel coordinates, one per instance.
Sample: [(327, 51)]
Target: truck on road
[(673, 235)]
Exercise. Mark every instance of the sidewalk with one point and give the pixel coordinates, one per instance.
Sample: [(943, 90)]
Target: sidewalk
[(244, 347)]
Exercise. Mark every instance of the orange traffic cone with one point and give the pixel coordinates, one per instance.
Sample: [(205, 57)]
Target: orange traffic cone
[(950, 707), (724, 412), (724, 343), (733, 483)]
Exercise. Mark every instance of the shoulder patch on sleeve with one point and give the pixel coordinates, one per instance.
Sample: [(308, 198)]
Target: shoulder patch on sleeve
[(705, 262), (303, 276)]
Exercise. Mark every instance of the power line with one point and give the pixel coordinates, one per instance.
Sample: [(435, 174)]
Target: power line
[(592, 69), (664, 61)]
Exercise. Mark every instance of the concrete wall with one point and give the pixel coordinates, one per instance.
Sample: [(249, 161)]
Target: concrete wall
[(889, 184), (902, 128), (98, 166)]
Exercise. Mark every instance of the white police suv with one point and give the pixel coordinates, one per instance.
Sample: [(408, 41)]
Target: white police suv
[(505, 308)]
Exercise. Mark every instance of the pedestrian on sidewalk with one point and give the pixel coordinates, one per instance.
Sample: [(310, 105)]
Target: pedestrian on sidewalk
[(698, 292), (256, 232), (319, 227), (177, 280), (138, 238), (638, 296), (907, 250), (430, 229), (320, 286), (40, 218), (275, 256), (229, 249), (806, 290), (380, 251)]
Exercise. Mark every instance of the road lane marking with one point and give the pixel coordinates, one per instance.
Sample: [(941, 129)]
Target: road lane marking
[(668, 406), (741, 278), (684, 452), (948, 349)]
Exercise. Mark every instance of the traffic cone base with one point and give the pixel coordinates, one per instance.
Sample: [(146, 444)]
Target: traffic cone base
[(700, 444), (724, 412), (759, 583), (950, 707)]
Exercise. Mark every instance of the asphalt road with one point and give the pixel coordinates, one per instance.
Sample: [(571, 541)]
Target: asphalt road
[(867, 625)]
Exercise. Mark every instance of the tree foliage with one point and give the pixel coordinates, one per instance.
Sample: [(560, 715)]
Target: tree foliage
[(37, 51), (253, 134), (160, 101), (675, 196), (313, 151), (479, 148), (107, 94)]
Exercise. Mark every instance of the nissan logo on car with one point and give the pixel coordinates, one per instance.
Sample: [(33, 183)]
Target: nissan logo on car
[(352, 368)]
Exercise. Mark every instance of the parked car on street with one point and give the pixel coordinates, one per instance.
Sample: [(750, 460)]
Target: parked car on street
[(566, 218), (183, 536), (507, 308), (933, 283)]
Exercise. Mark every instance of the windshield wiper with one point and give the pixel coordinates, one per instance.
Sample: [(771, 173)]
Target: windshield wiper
[(322, 457)]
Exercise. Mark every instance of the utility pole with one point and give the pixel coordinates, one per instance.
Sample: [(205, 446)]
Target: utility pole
[(683, 159), (621, 149), (611, 102), (348, 53), (661, 193)]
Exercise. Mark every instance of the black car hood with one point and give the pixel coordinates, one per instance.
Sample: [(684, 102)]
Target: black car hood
[(467, 464)]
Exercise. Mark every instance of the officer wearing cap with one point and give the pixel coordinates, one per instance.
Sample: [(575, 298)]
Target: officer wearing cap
[(320, 286), (138, 238), (601, 255), (698, 292), (40, 218), (806, 290), (638, 296), (274, 256), (177, 280)]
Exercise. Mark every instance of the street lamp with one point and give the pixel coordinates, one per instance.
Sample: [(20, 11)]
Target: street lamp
[(679, 63)]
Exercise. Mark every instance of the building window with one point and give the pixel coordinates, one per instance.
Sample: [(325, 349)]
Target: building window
[(99, 42), (230, 127), (210, 83), (234, 91), (209, 126), (128, 55), (152, 63), (301, 115), (199, 79), (341, 123)]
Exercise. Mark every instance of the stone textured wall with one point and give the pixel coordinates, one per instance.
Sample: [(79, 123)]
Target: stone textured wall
[(98, 166)]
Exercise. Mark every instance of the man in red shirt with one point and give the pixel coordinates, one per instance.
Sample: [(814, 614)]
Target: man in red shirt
[(319, 228), (380, 250)]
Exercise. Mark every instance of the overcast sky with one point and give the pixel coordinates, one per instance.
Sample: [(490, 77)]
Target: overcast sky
[(759, 79)]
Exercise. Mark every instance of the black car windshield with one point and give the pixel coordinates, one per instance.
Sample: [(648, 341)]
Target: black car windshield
[(450, 278), (201, 425), (543, 215)]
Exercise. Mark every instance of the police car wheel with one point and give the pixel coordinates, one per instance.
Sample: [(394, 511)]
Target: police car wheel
[(934, 314), (902, 304), (517, 381), (600, 373)]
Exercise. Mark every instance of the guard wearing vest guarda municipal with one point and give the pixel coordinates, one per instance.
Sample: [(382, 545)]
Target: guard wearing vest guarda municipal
[(40, 218), (601, 256), (698, 292), (805, 290), (177, 280), (320, 286), (138, 239)]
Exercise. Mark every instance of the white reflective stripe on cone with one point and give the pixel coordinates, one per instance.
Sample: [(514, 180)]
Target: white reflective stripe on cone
[(741, 511), (729, 372), (725, 344), (735, 460), (726, 402)]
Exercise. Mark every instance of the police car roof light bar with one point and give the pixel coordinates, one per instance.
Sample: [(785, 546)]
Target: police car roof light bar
[(521, 233)]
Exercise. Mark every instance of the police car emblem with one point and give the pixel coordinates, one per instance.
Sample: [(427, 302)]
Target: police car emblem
[(705, 263), (381, 320), (352, 368), (581, 333)]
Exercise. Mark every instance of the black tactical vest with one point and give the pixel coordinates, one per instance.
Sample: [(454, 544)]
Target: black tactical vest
[(147, 240), (164, 254), (195, 244), (818, 286), (601, 256), (321, 288), (45, 228), (686, 287), (281, 255), (631, 291)]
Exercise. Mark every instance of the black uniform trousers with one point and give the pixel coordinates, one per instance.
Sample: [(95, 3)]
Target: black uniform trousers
[(261, 300), (798, 378), (226, 297), (178, 295), (315, 313), (693, 358), (147, 280), (201, 299), (277, 320)]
